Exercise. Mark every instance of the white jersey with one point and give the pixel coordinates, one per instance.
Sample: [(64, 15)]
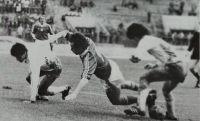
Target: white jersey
[(158, 48), (40, 59)]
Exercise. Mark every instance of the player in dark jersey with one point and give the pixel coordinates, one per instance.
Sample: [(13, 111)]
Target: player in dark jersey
[(194, 62), (97, 64), (41, 31)]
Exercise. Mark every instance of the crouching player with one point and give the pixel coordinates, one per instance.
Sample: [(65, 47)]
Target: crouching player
[(41, 63), (95, 63), (169, 68)]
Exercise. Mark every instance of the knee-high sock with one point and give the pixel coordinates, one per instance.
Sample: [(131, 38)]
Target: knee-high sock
[(170, 104), (52, 90), (142, 98), (195, 74), (130, 85), (128, 100)]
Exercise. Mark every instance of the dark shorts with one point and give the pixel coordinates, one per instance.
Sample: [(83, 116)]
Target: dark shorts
[(195, 56), (171, 71), (176, 71)]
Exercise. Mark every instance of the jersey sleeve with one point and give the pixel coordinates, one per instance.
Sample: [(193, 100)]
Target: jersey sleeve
[(50, 30), (89, 66), (143, 46), (34, 29), (35, 71)]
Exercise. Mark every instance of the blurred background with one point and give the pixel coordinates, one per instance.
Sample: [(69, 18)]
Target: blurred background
[(104, 21)]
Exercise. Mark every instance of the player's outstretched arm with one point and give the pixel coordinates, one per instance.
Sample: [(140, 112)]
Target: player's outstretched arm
[(59, 35), (81, 84)]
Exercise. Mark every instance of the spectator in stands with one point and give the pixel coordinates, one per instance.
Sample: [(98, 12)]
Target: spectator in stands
[(171, 8), (82, 4), (91, 4), (174, 38), (193, 10), (10, 28), (18, 8), (73, 7), (26, 5), (20, 31), (43, 8), (134, 5), (121, 34), (180, 37), (79, 10)]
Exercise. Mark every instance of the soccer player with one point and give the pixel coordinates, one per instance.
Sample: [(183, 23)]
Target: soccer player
[(40, 33), (169, 68), (106, 70), (194, 62), (41, 63)]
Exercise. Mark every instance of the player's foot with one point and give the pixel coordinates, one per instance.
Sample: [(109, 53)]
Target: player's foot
[(43, 98), (197, 86), (66, 91), (134, 111), (151, 98), (168, 117)]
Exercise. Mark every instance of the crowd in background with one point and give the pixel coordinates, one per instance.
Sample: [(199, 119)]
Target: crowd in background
[(18, 16)]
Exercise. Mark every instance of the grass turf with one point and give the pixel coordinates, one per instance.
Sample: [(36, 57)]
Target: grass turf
[(92, 104)]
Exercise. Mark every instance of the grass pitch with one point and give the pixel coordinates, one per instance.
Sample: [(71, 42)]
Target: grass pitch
[(92, 104)]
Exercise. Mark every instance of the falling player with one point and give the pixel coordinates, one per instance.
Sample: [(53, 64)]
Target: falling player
[(95, 63)]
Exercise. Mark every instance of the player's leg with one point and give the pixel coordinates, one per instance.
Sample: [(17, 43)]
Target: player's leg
[(169, 98), (154, 75), (130, 85), (117, 79), (46, 89), (114, 95), (193, 64)]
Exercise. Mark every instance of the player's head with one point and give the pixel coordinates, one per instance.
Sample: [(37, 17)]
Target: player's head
[(42, 19), (78, 43), (19, 51), (136, 31)]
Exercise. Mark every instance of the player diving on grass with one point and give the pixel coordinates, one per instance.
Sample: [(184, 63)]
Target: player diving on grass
[(169, 68), (97, 64), (42, 63)]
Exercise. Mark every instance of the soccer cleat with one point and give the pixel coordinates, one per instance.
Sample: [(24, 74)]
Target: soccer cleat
[(66, 91), (174, 118), (134, 111), (197, 86), (151, 98), (42, 98)]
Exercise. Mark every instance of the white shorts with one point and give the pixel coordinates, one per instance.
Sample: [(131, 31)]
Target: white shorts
[(116, 78)]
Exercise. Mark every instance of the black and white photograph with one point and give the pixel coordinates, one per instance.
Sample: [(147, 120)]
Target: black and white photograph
[(99, 60)]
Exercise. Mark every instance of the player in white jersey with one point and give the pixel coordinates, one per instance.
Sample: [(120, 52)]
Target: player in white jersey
[(169, 68), (41, 62)]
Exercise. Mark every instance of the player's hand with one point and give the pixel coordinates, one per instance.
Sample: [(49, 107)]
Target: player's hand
[(28, 101), (134, 59), (150, 66), (71, 96)]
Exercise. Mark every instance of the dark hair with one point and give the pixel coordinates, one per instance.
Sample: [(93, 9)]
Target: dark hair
[(18, 49), (79, 40), (136, 30)]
